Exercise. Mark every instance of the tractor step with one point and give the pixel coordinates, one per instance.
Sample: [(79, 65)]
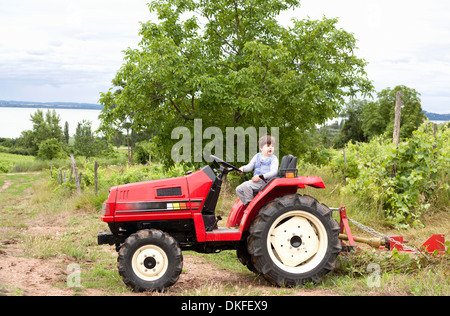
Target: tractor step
[(224, 234)]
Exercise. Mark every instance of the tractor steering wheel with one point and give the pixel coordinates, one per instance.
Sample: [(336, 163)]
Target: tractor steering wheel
[(226, 164)]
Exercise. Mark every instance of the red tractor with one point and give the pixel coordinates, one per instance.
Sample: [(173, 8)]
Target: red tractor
[(288, 238)]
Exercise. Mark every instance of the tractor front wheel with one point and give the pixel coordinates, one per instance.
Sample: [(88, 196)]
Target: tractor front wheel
[(150, 260), (294, 240)]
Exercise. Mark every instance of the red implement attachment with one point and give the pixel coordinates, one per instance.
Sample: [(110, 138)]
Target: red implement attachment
[(434, 245)]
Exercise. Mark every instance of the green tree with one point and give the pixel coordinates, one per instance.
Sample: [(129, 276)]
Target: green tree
[(379, 117), (88, 145), (84, 139), (66, 132), (43, 128), (373, 122), (230, 63), (411, 115), (352, 126)]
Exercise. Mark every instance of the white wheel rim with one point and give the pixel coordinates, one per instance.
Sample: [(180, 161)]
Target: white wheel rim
[(297, 242), (150, 262)]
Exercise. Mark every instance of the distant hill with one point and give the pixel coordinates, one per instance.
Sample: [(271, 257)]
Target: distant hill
[(90, 106), (437, 117), (50, 105)]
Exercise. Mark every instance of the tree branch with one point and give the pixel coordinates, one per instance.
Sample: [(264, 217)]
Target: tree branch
[(192, 102), (236, 18), (179, 111), (237, 116)]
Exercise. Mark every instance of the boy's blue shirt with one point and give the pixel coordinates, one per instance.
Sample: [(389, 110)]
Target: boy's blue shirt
[(267, 167)]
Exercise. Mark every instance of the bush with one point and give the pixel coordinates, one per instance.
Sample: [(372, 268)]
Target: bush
[(338, 164), (51, 149), (142, 151), (404, 180), (140, 154), (8, 162), (5, 166)]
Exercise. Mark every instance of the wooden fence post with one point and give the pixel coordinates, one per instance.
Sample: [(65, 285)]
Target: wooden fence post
[(398, 114), (96, 177), (396, 135), (357, 150), (435, 130), (74, 168), (345, 168)]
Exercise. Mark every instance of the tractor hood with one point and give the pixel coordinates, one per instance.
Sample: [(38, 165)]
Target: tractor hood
[(151, 191), (137, 201)]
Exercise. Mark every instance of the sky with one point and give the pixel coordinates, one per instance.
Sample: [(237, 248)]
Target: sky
[(70, 50)]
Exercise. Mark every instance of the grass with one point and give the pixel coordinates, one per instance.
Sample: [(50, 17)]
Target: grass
[(52, 223), (20, 163), (7, 161), (14, 210), (390, 274)]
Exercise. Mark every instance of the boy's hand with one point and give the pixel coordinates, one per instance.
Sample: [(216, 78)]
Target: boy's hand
[(241, 170), (256, 178)]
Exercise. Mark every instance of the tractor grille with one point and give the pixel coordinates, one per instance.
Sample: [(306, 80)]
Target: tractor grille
[(169, 192)]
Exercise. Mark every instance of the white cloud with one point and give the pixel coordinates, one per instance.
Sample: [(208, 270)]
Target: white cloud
[(405, 42), (52, 50), (69, 49)]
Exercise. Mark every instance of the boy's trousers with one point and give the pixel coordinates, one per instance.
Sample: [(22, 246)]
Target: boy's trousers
[(245, 190)]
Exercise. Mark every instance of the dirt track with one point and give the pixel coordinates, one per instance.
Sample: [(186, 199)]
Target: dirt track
[(5, 186), (48, 277)]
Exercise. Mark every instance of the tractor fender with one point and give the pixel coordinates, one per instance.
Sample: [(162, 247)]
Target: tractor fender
[(276, 188)]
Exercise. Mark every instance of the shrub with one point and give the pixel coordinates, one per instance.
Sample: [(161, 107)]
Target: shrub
[(403, 179), (4, 166), (51, 149)]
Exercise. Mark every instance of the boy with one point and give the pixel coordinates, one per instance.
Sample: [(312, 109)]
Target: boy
[(265, 164)]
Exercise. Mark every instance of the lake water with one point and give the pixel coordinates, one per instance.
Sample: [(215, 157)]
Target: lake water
[(15, 120)]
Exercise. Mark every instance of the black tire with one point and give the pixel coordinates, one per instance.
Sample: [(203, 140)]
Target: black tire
[(150, 260), (244, 256), (283, 233)]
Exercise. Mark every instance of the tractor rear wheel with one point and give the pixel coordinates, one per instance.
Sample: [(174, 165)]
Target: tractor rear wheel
[(244, 256), (294, 240), (150, 260)]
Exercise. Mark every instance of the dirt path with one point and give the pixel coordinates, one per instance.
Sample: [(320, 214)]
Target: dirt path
[(30, 276), (20, 275), (6, 185), (48, 277)]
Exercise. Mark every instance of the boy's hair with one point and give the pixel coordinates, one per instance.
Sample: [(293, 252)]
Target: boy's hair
[(266, 140)]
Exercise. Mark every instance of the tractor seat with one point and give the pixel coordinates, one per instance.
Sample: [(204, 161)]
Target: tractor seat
[(288, 165)]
